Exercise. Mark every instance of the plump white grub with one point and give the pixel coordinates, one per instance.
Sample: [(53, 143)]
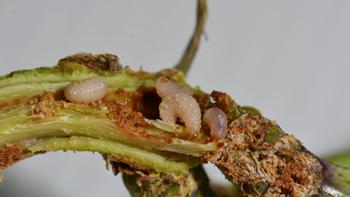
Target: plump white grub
[(184, 106), (165, 86), (217, 121), (87, 90), (177, 101)]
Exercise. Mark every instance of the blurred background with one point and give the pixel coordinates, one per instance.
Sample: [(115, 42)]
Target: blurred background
[(289, 59)]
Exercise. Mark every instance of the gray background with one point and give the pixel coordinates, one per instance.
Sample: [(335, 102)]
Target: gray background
[(290, 59)]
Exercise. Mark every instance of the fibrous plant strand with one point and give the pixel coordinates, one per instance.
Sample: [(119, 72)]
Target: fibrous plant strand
[(189, 54)]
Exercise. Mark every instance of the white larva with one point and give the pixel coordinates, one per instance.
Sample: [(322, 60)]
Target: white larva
[(87, 90), (164, 87), (177, 101), (182, 105), (217, 121)]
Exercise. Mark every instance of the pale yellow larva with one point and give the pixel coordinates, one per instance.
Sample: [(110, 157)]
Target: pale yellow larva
[(87, 90)]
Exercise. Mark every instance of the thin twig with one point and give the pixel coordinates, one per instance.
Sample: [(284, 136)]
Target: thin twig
[(192, 47)]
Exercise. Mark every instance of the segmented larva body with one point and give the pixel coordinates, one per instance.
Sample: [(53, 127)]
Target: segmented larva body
[(164, 87), (182, 105), (87, 90), (177, 101), (217, 121)]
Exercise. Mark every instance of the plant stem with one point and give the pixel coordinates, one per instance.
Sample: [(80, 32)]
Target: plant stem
[(335, 179), (194, 183), (192, 47), (256, 154), (342, 158)]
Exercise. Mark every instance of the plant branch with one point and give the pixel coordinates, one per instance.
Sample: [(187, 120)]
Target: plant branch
[(192, 47)]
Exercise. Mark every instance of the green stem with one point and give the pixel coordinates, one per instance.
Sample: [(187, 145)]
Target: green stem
[(342, 158), (36, 118), (335, 179)]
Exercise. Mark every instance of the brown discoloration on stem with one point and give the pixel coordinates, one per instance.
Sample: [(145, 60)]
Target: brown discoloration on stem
[(103, 62), (248, 159), (44, 97), (42, 109), (10, 155)]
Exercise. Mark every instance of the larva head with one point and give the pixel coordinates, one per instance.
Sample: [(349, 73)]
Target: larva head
[(165, 86)]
